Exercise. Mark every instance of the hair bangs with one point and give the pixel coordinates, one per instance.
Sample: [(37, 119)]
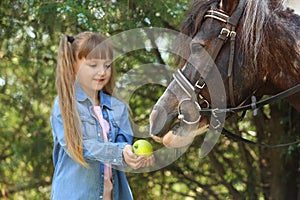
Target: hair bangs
[(101, 51), (96, 47)]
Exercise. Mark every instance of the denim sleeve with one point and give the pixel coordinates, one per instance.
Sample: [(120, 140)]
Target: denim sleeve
[(57, 125), (93, 149), (111, 153), (125, 133)]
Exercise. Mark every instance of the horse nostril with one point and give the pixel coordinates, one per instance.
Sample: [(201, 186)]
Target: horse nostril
[(160, 121), (157, 120), (152, 116)]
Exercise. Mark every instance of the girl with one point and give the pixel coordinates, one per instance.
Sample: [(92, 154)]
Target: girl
[(91, 128)]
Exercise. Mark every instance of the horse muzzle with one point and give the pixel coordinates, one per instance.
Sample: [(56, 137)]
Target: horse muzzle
[(160, 122)]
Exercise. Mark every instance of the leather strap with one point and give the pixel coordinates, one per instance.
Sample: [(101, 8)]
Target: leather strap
[(256, 105), (225, 33), (185, 84), (230, 68), (235, 17), (236, 137), (233, 20)]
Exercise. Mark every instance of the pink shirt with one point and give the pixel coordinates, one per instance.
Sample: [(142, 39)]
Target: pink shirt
[(107, 193)]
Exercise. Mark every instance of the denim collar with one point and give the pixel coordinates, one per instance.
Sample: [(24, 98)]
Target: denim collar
[(81, 96)]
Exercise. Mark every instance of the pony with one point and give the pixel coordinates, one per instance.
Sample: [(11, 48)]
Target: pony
[(240, 51)]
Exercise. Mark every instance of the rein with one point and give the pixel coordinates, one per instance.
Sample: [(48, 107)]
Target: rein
[(254, 105), (236, 137), (193, 91)]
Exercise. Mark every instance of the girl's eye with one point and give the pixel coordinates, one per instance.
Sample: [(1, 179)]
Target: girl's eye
[(107, 66), (92, 65)]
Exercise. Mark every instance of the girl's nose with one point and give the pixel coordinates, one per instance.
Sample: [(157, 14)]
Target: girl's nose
[(101, 72)]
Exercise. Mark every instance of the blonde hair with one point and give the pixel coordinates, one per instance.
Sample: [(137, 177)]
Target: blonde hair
[(84, 45)]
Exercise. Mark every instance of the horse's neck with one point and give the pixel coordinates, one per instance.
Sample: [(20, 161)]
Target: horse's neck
[(295, 101)]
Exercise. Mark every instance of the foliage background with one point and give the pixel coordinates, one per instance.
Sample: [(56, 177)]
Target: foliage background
[(29, 37)]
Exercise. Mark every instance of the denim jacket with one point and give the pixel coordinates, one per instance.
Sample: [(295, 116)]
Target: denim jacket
[(71, 180)]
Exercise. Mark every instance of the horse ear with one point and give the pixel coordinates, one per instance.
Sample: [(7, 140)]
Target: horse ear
[(228, 6), (223, 4)]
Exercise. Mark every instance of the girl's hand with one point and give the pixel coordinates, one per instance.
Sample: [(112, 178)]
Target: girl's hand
[(149, 161), (135, 161)]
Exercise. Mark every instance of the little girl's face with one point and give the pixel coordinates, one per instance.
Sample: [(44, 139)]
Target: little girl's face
[(93, 74)]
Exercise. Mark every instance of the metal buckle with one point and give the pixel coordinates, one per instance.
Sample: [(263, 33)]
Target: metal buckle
[(181, 116), (214, 112), (204, 101), (254, 105), (232, 34), (225, 32), (218, 124), (199, 86)]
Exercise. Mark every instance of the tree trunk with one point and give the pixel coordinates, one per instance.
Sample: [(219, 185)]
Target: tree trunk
[(277, 179), (279, 166), (260, 122)]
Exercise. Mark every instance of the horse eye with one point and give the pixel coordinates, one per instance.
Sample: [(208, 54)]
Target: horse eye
[(196, 48)]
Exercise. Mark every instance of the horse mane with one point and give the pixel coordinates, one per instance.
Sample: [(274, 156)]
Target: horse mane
[(270, 36), (270, 33), (191, 25), (195, 16)]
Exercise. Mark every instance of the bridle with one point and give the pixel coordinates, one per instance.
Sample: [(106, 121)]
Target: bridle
[(193, 91)]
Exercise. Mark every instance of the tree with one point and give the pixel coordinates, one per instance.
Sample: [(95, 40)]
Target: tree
[(279, 166), (28, 46)]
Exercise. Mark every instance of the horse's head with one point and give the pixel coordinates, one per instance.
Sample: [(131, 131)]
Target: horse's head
[(239, 49), (235, 53), (205, 80)]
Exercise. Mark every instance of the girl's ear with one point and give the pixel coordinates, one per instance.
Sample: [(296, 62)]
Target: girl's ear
[(78, 64)]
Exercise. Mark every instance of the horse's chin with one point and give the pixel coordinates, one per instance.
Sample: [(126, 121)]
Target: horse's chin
[(172, 133), (172, 140)]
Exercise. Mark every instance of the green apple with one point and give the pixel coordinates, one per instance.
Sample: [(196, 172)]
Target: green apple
[(142, 148)]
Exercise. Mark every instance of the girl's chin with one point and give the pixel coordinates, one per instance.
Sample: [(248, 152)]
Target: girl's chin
[(99, 84), (98, 88)]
